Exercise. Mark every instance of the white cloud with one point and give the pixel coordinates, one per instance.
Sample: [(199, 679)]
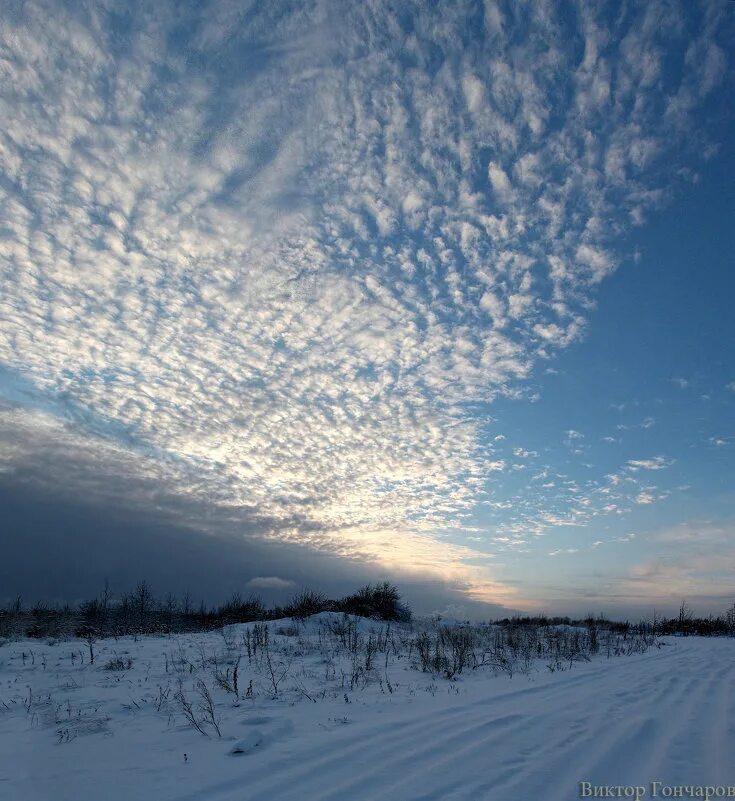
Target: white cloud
[(563, 550), (645, 498), (500, 182), (599, 262), (655, 463)]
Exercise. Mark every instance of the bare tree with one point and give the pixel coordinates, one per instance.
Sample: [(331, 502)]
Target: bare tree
[(730, 619), (169, 608), (143, 603), (186, 604), (89, 635), (207, 707), (686, 613), (187, 709), (277, 669)]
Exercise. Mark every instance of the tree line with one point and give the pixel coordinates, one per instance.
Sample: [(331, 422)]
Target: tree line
[(141, 612), (686, 622)]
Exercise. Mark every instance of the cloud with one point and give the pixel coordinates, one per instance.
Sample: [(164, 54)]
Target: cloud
[(563, 550), (553, 500), (78, 510), (645, 498), (275, 256), (270, 583), (655, 463), (692, 560), (500, 182), (648, 422)]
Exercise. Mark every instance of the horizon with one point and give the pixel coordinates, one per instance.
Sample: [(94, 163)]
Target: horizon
[(283, 602), (314, 295)]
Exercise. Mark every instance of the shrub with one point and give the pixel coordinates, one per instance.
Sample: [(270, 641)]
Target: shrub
[(306, 603), (241, 610), (118, 663), (381, 601)]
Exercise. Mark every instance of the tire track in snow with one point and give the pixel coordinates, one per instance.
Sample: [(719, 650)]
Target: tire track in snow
[(357, 742), (619, 720), (425, 725), (565, 728), (375, 747), (629, 748)]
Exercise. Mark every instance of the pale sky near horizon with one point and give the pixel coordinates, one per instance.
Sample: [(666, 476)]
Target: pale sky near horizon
[(315, 292)]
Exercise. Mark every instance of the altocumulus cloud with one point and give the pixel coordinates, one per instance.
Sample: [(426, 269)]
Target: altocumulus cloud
[(283, 255)]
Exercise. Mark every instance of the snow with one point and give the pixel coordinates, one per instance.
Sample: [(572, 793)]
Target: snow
[(71, 730)]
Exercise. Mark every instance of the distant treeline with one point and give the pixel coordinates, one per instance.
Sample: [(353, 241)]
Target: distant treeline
[(685, 623), (140, 612)]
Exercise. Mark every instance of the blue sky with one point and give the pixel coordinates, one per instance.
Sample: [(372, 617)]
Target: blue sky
[(435, 291), (651, 376)]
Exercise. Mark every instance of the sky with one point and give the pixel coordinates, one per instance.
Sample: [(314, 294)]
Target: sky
[(318, 293)]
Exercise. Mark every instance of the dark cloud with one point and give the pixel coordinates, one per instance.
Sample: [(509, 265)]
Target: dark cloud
[(58, 547), (71, 520)]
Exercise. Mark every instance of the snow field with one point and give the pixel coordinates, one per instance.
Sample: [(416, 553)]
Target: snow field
[(353, 716)]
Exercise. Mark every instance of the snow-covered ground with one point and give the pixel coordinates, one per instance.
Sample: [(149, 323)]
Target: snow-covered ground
[(335, 731)]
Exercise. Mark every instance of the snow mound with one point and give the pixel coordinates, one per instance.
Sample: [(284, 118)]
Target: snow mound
[(247, 744)]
